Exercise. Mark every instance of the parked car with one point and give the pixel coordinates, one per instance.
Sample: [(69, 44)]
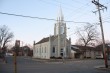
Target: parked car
[(9, 54), (99, 56)]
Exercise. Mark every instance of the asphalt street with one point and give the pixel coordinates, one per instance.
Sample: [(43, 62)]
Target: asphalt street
[(29, 65)]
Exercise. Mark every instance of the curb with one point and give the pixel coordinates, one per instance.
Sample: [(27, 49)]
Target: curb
[(102, 67)]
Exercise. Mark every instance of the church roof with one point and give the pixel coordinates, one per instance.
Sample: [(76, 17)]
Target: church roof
[(46, 39)]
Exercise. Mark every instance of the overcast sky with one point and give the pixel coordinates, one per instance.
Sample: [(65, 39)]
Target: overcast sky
[(30, 29)]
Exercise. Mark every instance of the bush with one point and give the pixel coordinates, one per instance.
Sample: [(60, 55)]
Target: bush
[(55, 57), (58, 57), (52, 57)]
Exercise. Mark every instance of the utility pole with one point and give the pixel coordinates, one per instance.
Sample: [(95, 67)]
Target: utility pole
[(102, 7), (15, 63)]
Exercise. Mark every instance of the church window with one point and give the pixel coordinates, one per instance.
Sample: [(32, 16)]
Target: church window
[(37, 50), (45, 49), (57, 29), (42, 49), (62, 30), (61, 50), (53, 50), (61, 54)]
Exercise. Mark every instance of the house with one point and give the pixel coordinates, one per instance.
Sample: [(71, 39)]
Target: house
[(26, 51), (99, 51), (83, 52), (89, 52), (54, 46), (22, 51), (75, 52)]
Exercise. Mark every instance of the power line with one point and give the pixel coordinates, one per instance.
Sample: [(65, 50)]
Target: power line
[(25, 16), (62, 3), (78, 10), (78, 1), (46, 2), (37, 17), (106, 21), (70, 7)]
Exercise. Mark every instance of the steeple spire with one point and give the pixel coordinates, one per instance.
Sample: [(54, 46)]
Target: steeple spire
[(60, 15), (60, 26)]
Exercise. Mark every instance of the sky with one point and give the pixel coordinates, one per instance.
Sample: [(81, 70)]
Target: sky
[(28, 30)]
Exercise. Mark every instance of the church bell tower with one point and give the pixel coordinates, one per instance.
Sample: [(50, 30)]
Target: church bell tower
[(60, 31)]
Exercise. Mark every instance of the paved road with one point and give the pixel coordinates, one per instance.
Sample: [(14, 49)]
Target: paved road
[(27, 65)]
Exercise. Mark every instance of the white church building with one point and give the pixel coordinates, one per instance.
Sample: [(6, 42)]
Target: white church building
[(56, 45)]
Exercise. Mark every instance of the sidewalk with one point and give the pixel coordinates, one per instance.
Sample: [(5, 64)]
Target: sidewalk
[(103, 67), (52, 60), (56, 60)]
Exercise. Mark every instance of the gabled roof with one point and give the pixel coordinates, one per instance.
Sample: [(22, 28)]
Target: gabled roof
[(43, 40), (46, 39), (26, 47), (100, 47), (97, 48), (83, 48), (74, 48)]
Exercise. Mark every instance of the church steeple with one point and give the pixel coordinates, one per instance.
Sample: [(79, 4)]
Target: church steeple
[(60, 32), (59, 27), (60, 15)]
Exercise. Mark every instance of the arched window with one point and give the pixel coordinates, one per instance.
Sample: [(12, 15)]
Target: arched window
[(45, 49), (53, 50), (62, 30)]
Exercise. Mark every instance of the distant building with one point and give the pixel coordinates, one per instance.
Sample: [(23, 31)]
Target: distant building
[(17, 43), (89, 52), (99, 51), (75, 52), (54, 46), (22, 51), (26, 51), (16, 48)]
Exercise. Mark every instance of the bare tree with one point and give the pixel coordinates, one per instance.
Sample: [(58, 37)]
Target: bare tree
[(87, 35), (99, 42), (5, 36)]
